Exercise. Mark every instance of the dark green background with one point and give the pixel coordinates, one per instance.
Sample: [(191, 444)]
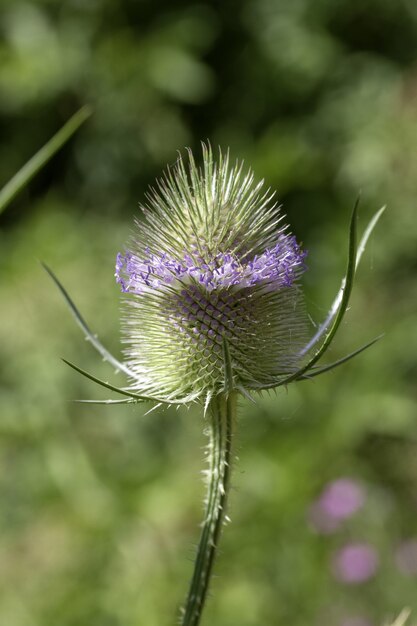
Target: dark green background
[(100, 505)]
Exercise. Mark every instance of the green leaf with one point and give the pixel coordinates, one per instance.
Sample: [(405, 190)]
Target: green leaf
[(93, 339), (37, 162)]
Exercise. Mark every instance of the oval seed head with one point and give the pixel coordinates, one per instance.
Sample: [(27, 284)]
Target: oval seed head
[(210, 261)]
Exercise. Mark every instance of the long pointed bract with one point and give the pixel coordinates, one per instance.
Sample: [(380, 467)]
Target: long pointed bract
[(125, 401), (330, 366), (333, 309), (347, 290), (93, 339), (123, 392)]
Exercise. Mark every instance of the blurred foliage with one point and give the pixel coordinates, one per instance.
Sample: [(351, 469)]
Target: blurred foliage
[(100, 506)]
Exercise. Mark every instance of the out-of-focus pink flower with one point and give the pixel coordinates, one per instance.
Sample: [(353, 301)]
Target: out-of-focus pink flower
[(406, 557), (355, 563), (342, 498), (338, 501)]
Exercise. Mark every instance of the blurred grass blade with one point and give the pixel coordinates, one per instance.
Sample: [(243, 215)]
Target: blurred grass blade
[(349, 356), (107, 356), (333, 309), (123, 392), (37, 162), (402, 618)]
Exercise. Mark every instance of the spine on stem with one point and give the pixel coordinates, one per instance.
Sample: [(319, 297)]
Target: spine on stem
[(221, 426)]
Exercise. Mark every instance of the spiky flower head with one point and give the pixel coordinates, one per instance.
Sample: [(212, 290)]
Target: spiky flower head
[(210, 261)]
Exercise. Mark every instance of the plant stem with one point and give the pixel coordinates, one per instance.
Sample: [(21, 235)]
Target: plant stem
[(222, 417)]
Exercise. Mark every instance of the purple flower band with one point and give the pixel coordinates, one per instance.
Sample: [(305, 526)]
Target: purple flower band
[(278, 266)]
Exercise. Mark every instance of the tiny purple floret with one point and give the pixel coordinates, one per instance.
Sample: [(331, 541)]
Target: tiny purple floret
[(278, 267)]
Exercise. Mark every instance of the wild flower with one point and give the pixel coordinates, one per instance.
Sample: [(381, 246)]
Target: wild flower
[(340, 500), (211, 262), (213, 308), (355, 563)]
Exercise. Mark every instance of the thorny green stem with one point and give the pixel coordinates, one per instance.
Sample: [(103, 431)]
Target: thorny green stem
[(222, 418)]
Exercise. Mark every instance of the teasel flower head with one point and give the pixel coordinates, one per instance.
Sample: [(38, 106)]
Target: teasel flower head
[(211, 260), (212, 296)]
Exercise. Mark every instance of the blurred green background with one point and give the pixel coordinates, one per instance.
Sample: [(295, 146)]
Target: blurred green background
[(100, 506)]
